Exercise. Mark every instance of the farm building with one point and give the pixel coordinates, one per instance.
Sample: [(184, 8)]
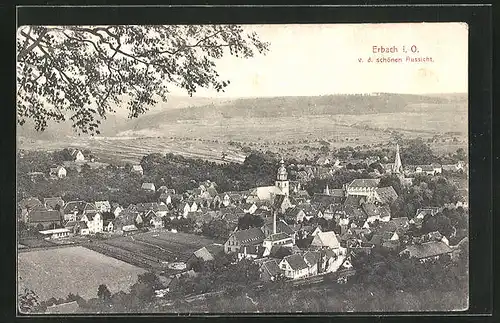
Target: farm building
[(252, 236), (270, 270), (427, 250), (137, 169), (56, 233), (44, 219), (206, 253)]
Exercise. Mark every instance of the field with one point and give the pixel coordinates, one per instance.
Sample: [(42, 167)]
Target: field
[(152, 250), (58, 272), (209, 139)]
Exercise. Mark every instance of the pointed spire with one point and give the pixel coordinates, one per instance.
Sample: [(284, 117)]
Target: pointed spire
[(327, 191), (397, 162)]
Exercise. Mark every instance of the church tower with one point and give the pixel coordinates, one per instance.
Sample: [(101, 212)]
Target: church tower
[(282, 179), (397, 168)]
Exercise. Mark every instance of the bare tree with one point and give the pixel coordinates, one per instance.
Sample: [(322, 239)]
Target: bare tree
[(80, 72)]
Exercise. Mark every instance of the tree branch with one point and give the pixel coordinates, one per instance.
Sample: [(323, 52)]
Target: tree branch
[(35, 43)]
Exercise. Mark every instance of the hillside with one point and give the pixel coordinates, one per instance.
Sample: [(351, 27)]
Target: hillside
[(304, 106), (113, 122), (177, 115)]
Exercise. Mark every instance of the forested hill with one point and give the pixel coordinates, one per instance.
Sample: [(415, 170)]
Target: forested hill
[(306, 106), (441, 105)]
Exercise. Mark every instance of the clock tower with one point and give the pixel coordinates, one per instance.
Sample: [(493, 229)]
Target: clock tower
[(282, 179)]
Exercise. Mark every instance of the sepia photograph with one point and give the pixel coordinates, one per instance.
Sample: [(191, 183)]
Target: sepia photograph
[(216, 168)]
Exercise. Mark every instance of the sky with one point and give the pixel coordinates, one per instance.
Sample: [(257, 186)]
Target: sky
[(308, 60)]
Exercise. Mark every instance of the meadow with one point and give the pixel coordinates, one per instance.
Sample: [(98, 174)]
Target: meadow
[(152, 250), (77, 270), (208, 139)]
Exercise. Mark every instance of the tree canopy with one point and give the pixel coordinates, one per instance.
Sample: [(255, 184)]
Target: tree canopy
[(81, 72)]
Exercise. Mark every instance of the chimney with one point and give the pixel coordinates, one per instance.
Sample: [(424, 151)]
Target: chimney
[(274, 222)]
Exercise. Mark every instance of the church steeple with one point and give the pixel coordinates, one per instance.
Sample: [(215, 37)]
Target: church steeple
[(398, 166), (327, 191), (282, 178)]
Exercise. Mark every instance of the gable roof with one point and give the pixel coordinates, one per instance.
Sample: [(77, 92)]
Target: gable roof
[(278, 200), (126, 217), (215, 248), (90, 207), (281, 226), (373, 210), (428, 249), (40, 215), (207, 253), (398, 225), (74, 206), (386, 195), (366, 182), (279, 252), (326, 239), (303, 193), (354, 200), (252, 235), (296, 262), (293, 212), (271, 267), (312, 257), (326, 200)]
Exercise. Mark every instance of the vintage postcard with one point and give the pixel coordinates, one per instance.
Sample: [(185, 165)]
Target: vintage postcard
[(242, 168)]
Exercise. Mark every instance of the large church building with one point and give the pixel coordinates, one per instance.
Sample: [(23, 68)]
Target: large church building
[(281, 186)]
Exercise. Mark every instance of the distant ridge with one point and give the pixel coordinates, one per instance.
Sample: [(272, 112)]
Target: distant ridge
[(184, 108), (274, 107)]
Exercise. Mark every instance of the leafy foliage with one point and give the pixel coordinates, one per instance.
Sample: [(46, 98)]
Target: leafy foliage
[(85, 70), (426, 191), (215, 229), (103, 293), (417, 152), (391, 180), (250, 221)]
